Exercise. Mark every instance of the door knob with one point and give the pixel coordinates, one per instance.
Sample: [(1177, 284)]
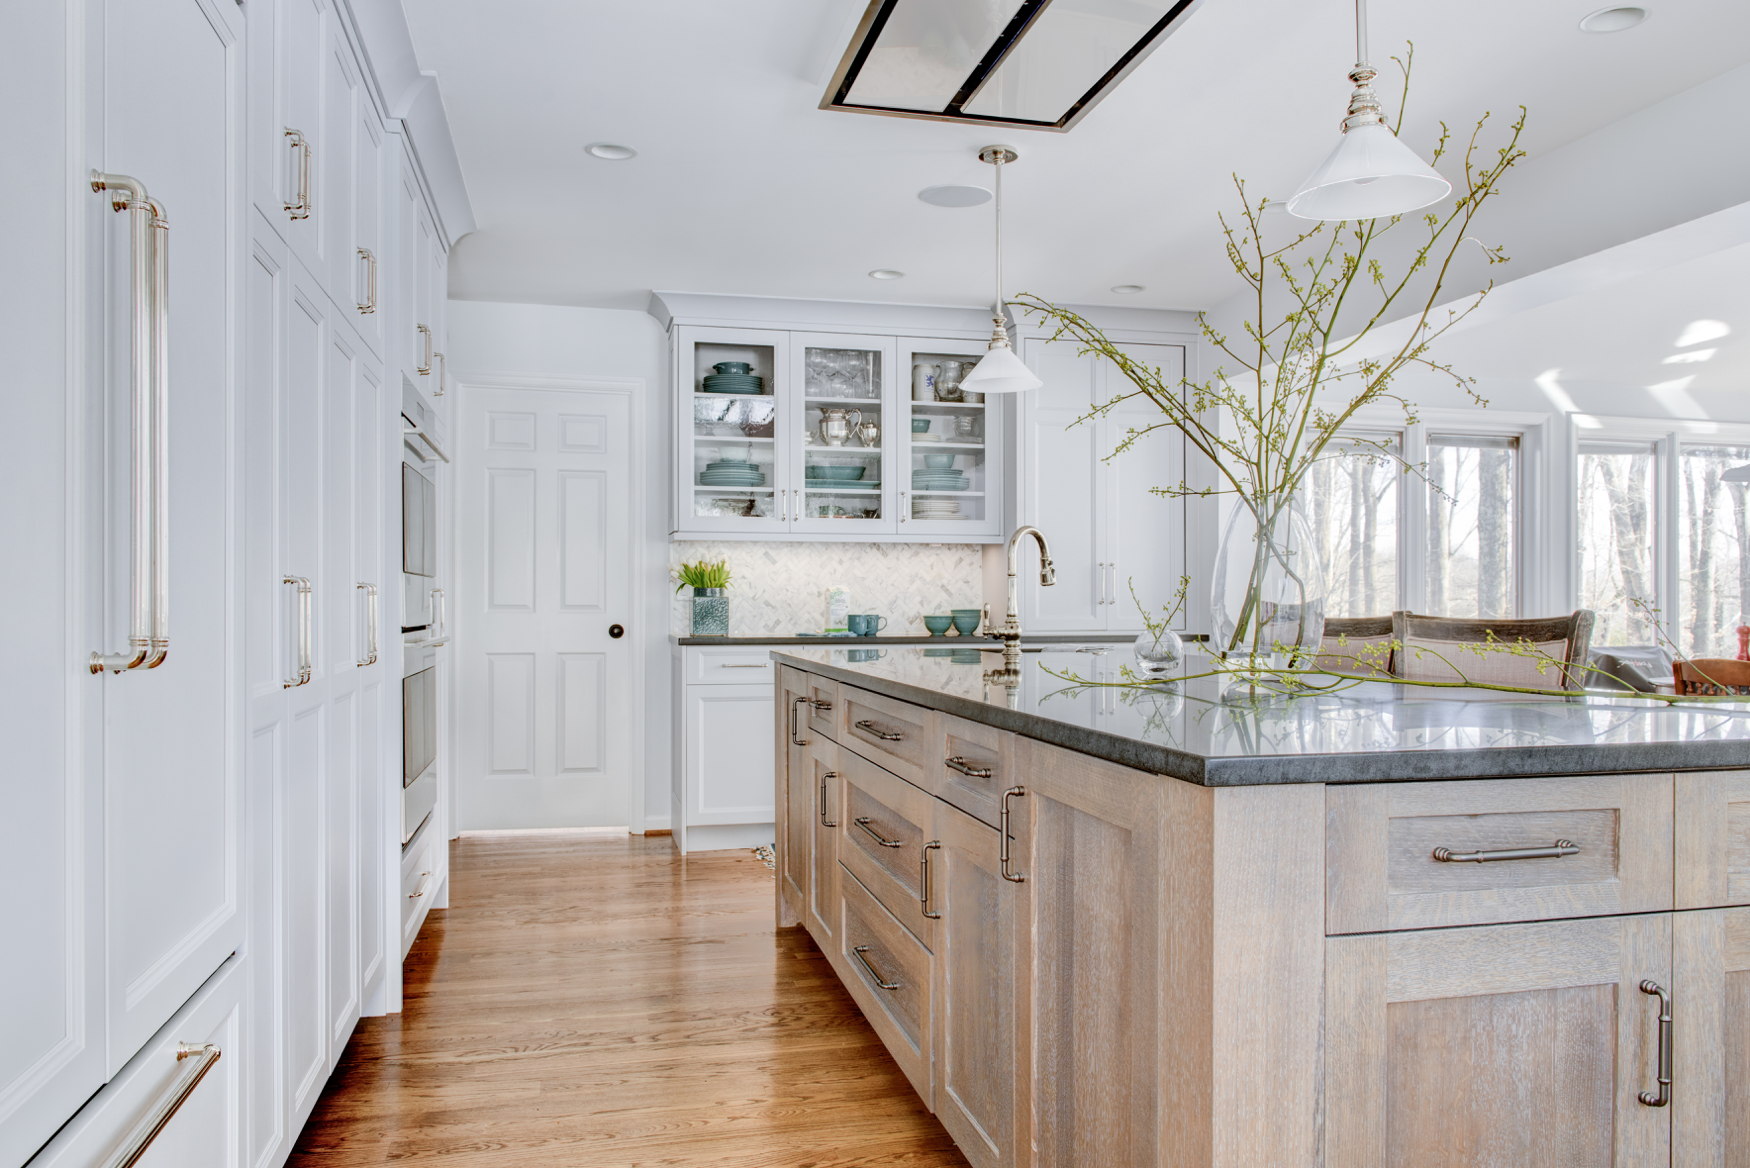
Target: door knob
[(616, 631)]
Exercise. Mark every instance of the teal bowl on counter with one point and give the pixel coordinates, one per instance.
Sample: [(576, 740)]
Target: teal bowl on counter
[(966, 623), (938, 625)]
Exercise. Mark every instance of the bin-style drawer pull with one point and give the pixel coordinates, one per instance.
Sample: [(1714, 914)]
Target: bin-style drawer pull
[(957, 763), (1561, 847), (861, 951), (884, 735), (862, 821)]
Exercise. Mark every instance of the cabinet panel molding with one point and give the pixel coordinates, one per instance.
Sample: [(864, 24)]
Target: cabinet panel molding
[(1713, 839)]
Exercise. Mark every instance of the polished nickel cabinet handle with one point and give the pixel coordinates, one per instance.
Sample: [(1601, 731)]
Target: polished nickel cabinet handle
[(196, 1060), (957, 763), (794, 704), (370, 591), (862, 952), (824, 821), (746, 665), (439, 620), (1662, 1096), (1003, 835), (301, 208), (820, 707), (884, 735), (862, 821), (303, 675), (443, 374), (1561, 847), (925, 894), (424, 368), (420, 889), (368, 281), (149, 383)]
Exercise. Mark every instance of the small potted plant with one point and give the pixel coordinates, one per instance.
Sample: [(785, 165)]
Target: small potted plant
[(710, 606)]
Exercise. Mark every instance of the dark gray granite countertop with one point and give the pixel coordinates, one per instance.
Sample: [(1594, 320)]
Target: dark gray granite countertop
[(1371, 733)]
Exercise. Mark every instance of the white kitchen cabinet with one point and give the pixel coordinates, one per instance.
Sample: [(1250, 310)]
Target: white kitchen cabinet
[(804, 374), (723, 786), (298, 201), (1107, 527), (362, 255)]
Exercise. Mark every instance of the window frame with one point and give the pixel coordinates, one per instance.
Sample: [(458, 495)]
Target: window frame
[(1536, 585), (1668, 437)]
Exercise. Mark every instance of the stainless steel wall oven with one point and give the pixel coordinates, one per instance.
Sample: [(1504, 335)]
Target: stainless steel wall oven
[(422, 612)]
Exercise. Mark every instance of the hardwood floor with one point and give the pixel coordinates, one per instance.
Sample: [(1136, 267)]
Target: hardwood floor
[(592, 1002)]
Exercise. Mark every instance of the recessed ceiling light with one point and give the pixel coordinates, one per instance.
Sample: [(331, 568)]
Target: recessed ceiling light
[(885, 274), (1613, 19), (1127, 289), (610, 151), (954, 196)]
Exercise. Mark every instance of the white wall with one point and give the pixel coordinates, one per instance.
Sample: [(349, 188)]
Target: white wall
[(537, 340)]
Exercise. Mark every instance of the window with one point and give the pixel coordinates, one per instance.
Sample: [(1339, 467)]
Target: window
[(1713, 551), (1353, 510), (1471, 566), (1616, 539)]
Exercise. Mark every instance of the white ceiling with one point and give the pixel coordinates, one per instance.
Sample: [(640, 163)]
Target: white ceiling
[(742, 185)]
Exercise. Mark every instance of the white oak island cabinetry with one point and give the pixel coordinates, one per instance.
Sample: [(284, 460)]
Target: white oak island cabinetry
[(1367, 931)]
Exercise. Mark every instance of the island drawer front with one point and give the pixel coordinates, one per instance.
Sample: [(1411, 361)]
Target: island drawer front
[(974, 748), (729, 665), (872, 945), (823, 706), (1381, 871), (895, 811), (893, 733), (1713, 839)]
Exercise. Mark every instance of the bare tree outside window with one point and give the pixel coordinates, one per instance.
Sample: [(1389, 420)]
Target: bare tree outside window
[(1616, 539), (1352, 505), (1713, 580), (1472, 553)]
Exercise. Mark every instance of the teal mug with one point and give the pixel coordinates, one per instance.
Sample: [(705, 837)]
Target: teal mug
[(865, 624)]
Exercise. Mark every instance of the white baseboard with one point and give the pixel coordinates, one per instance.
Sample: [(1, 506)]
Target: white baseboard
[(657, 823), (722, 837), (501, 831)]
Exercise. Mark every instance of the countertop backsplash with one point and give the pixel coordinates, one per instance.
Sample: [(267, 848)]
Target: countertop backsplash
[(779, 589)]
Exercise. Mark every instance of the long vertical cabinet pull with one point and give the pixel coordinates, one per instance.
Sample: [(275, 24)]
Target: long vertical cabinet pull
[(443, 372), (370, 591), (824, 821), (165, 1107), (1661, 1097), (794, 703), (304, 667), (149, 377), (424, 368), (369, 281), (440, 618), (301, 208), (925, 893), (1003, 836)]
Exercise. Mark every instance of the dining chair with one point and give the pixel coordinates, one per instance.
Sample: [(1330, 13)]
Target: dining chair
[(1356, 644), (1712, 675), (1434, 648)]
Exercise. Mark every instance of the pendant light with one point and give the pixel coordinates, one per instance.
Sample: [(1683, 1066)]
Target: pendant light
[(999, 370), (1370, 174)]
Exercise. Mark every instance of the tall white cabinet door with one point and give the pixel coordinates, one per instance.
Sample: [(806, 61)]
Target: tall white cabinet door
[(546, 578), (1146, 531), (1062, 488), (342, 95), (367, 282), (52, 1041), (407, 347), (378, 682), (302, 36), (172, 107)]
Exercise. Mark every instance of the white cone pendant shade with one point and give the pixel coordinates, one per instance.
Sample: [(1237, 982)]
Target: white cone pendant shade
[(1000, 371), (1368, 176)]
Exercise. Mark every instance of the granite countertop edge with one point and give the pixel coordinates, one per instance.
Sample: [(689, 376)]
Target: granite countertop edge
[(940, 642), (1384, 766)]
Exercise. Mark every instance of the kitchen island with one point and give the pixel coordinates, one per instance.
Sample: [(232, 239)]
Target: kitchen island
[(1109, 926)]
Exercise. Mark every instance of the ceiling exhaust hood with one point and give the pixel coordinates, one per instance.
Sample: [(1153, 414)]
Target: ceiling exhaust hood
[(1035, 63)]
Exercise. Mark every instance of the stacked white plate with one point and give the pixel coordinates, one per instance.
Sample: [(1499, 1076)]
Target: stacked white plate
[(936, 509)]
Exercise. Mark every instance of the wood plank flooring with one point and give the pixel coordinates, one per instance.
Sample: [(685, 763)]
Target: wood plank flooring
[(589, 1002)]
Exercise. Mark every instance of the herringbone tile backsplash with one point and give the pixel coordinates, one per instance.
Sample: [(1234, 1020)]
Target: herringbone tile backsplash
[(779, 589)]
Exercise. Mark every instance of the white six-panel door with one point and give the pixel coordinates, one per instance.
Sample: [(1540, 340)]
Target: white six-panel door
[(544, 573)]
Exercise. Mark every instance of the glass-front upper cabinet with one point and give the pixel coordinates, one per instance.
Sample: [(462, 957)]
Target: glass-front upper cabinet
[(950, 457), (731, 476), (841, 478)]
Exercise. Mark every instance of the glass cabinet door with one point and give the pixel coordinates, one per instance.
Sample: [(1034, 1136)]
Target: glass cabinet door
[(842, 481), (950, 470), (731, 477)]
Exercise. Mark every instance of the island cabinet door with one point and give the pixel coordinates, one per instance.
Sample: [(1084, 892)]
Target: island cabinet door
[(826, 804), (1500, 1046), (1710, 1106), (1085, 838), (982, 946), (792, 800), (1713, 839)]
